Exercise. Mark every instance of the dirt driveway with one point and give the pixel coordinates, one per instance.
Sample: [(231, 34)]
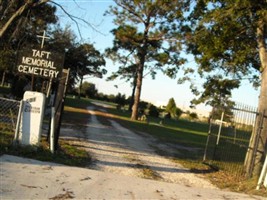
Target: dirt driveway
[(118, 150), (120, 157)]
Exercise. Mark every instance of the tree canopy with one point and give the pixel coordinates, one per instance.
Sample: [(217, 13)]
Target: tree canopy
[(84, 60), (15, 13), (229, 38), (218, 91), (21, 22)]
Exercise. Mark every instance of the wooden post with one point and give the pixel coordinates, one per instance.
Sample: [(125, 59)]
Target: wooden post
[(59, 104)]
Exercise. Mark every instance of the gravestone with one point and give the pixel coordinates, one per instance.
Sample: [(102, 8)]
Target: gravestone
[(32, 117)]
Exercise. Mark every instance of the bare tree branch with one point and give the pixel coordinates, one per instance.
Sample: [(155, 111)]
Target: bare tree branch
[(74, 19), (30, 4)]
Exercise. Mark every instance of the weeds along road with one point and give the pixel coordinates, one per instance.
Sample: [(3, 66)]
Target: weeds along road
[(119, 150)]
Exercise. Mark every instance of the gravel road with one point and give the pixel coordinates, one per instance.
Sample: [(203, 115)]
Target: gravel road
[(118, 150)]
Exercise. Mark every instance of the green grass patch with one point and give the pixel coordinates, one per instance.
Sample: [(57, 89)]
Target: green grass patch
[(77, 103), (170, 134), (67, 154), (4, 90), (6, 138), (75, 116)]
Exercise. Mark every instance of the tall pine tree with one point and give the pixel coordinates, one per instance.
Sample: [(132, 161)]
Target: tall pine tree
[(152, 37)]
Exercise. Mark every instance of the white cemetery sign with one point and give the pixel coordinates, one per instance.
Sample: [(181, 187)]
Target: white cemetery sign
[(40, 62), (32, 117)]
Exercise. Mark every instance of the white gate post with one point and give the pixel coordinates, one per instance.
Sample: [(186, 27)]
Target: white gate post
[(52, 130)]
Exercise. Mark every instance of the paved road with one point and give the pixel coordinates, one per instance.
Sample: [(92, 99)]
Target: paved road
[(23, 178)]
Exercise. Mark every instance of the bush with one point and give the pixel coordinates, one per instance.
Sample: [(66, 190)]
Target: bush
[(152, 110)]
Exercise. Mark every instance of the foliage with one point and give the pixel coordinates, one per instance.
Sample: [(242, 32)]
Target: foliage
[(4, 90), (226, 112), (231, 29), (22, 32), (179, 112), (83, 60), (152, 110), (120, 99), (217, 91), (88, 89), (236, 48), (18, 86), (172, 109), (147, 32), (19, 16), (193, 115), (13, 11)]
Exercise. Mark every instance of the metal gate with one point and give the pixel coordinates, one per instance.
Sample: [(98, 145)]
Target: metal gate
[(228, 138)]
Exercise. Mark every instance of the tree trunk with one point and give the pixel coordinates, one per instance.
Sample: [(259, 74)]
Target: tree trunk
[(261, 126), (258, 143), (3, 78), (142, 57), (133, 93), (139, 81), (80, 87)]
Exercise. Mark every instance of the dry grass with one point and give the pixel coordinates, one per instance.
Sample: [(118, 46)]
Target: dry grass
[(147, 172), (224, 179)]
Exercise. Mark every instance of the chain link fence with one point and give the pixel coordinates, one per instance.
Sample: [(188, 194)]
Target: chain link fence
[(8, 114), (229, 136)]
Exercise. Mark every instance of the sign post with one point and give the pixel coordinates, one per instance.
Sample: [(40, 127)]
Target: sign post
[(59, 104), (46, 64)]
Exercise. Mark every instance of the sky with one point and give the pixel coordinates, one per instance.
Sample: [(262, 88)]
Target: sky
[(157, 91)]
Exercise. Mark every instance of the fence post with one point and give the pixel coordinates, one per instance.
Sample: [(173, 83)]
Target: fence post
[(208, 139), (21, 105)]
